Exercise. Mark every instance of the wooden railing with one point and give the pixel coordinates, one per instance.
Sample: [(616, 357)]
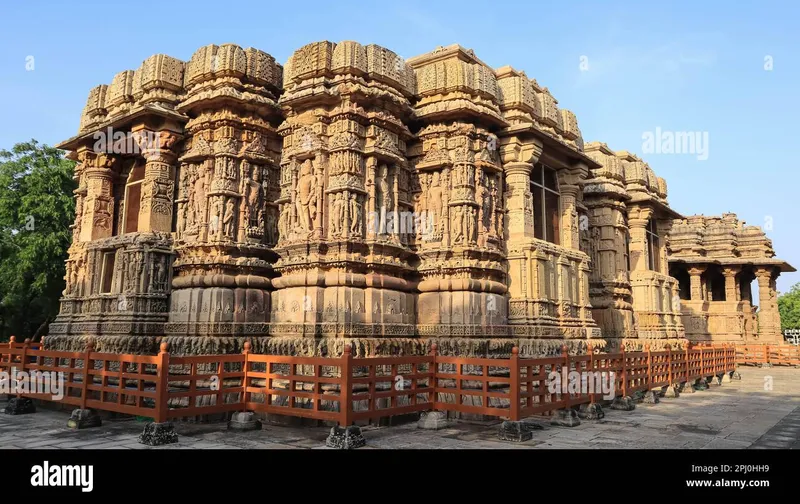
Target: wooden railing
[(776, 355), (346, 389)]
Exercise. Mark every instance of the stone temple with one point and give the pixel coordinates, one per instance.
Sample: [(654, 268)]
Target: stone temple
[(351, 196)]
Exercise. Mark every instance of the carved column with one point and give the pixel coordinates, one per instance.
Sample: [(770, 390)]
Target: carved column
[(98, 205), (768, 317), (695, 273), (638, 218), (731, 283), (155, 212)]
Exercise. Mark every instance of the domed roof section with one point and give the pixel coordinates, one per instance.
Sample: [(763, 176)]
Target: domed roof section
[(325, 58)]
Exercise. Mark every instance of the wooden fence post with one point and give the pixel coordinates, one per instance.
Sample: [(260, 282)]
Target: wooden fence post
[(688, 346), (669, 365), (434, 369), (245, 369), (766, 354), (591, 368), (346, 394), (162, 385), (23, 360), (87, 360), (649, 366), (624, 374), (515, 387), (565, 355)]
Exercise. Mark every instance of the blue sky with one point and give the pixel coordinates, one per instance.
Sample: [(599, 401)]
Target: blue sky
[(681, 66)]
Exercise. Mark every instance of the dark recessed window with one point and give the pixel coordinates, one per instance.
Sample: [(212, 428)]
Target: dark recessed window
[(546, 207), (653, 247)]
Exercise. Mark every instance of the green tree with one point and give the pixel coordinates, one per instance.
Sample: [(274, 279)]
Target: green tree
[(789, 308), (36, 211)]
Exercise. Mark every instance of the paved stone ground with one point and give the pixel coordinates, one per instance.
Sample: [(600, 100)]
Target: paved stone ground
[(735, 415)]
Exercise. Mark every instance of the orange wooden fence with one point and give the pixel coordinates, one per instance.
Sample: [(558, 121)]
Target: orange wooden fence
[(346, 389), (776, 355)]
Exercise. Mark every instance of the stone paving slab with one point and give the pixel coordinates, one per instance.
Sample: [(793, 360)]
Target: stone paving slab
[(737, 415)]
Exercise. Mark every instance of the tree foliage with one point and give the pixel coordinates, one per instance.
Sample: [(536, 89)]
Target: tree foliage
[(36, 211), (789, 308)]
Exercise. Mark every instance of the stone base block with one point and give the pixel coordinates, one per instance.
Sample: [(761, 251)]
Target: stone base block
[(157, 434), (726, 378), (700, 384), (345, 438), (671, 391), (244, 421), (432, 420), (736, 376), (591, 412), (625, 403), (20, 406), (638, 396), (566, 418), (651, 397), (517, 431), (84, 419)]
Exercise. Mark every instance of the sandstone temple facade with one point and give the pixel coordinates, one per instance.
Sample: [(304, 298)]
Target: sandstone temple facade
[(351, 196)]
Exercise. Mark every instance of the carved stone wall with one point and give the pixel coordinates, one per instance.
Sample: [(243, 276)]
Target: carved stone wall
[(356, 197), (721, 256)]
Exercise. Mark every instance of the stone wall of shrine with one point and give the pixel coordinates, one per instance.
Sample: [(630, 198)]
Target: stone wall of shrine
[(632, 294), (715, 260), (352, 196)]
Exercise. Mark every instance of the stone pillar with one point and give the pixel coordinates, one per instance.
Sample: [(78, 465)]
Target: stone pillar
[(98, 205), (695, 273), (155, 212), (769, 319), (638, 218), (731, 283), (520, 201), (569, 216)]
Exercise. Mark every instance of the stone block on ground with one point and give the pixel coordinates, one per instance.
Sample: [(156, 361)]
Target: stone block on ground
[(591, 412), (726, 378), (517, 431), (566, 418), (736, 376), (625, 403), (84, 419), (157, 434), (345, 438), (687, 388), (700, 384), (432, 420), (244, 421), (20, 406), (671, 391), (651, 397), (637, 396)]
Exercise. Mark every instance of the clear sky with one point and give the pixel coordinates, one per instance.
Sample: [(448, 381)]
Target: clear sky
[(728, 70)]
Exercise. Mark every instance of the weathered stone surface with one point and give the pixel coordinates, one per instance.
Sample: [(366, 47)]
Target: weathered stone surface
[(591, 411), (19, 406), (84, 419), (736, 375), (700, 384), (345, 438), (518, 432), (651, 397), (157, 434), (432, 420), (566, 418), (672, 391), (625, 403), (244, 421)]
